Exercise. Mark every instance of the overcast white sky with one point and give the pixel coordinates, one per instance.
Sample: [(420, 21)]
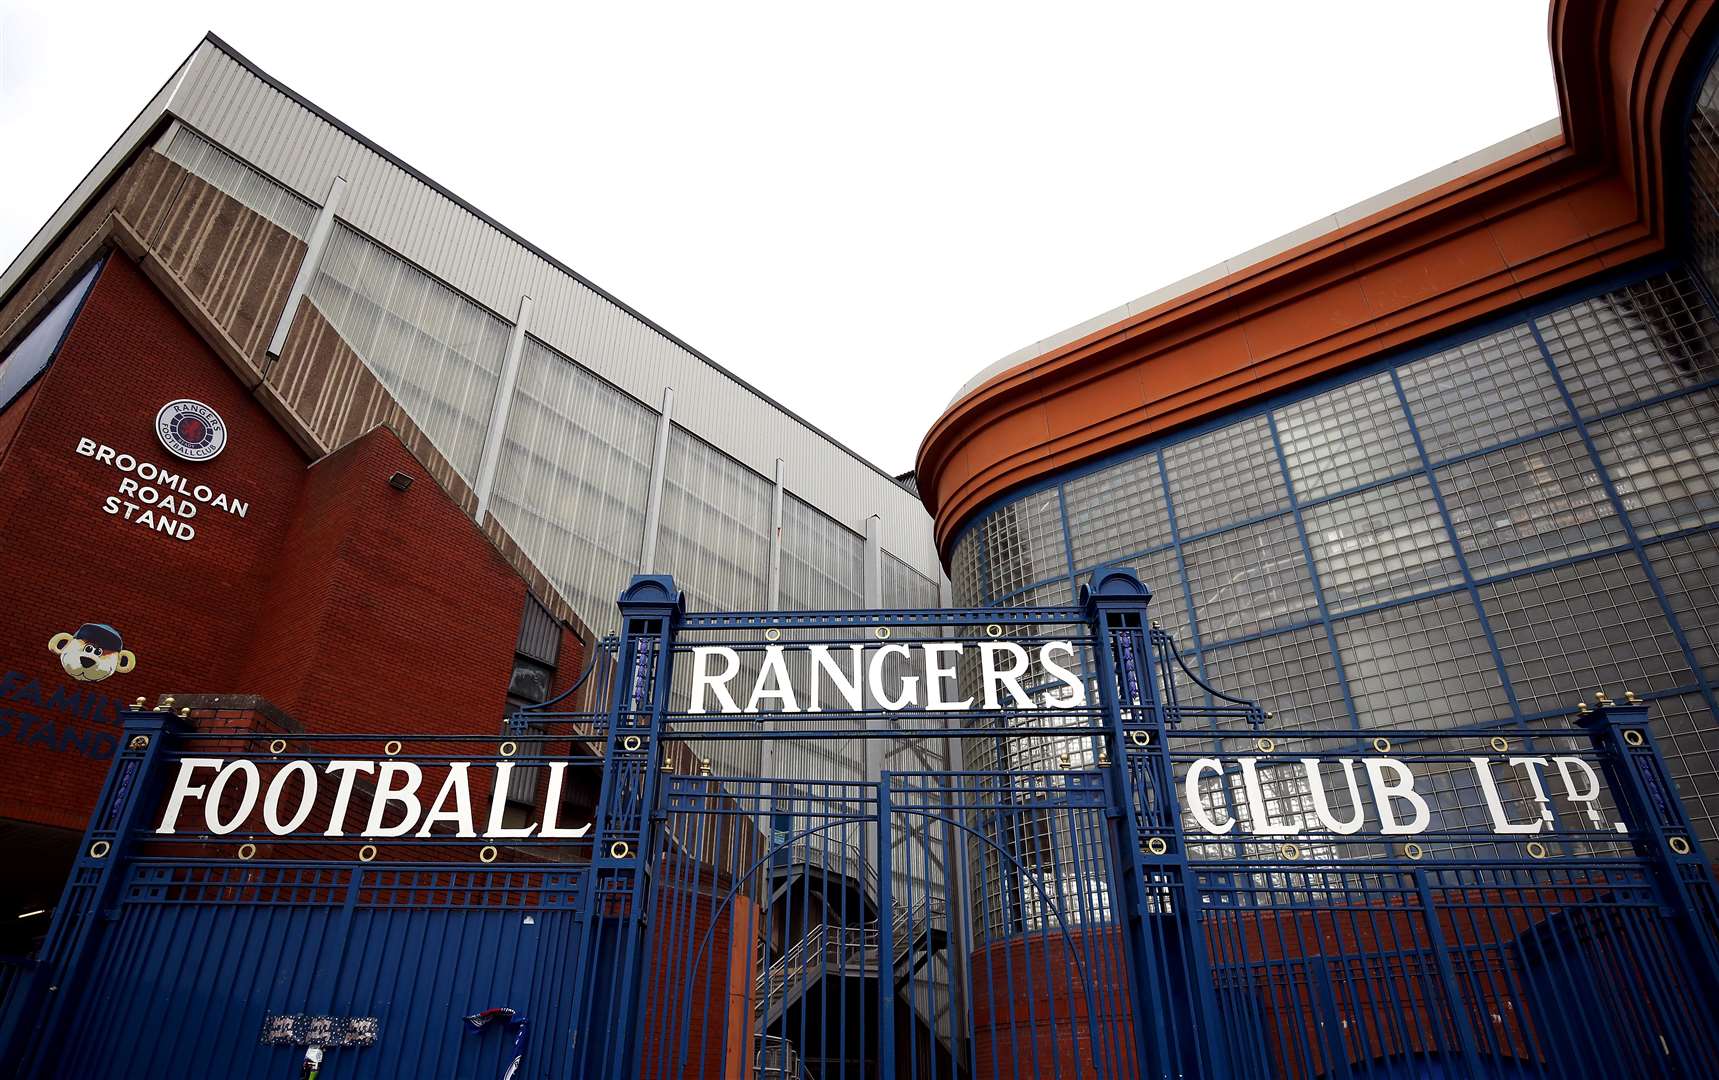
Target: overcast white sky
[(853, 206)]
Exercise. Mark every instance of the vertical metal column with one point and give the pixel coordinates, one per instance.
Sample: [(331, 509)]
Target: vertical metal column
[(309, 265), (131, 790), (773, 600), (1176, 1024), (499, 409), (1661, 831), (659, 467), (773, 597), (615, 943), (873, 601)]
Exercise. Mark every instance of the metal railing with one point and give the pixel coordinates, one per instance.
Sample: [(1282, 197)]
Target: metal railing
[(776, 1059), (846, 950)]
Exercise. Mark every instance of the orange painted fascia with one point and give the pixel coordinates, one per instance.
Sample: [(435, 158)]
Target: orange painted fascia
[(1571, 208)]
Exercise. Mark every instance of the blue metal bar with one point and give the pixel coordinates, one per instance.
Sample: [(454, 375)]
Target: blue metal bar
[(885, 934)]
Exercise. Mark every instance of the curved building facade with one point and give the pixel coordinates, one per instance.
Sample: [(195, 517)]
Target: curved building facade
[(1450, 458)]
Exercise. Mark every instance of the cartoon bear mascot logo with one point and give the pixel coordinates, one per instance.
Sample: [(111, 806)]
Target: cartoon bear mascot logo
[(93, 653)]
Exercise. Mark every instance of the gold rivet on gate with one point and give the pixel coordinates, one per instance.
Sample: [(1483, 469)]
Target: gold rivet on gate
[(246, 851), (704, 766), (138, 742), (1265, 746), (620, 849), (993, 630), (278, 746), (1104, 757), (1501, 744), (1156, 625), (773, 634), (1633, 737), (1289, 852), (632, 742), (1629, 696), (508, 748), (882, 632), (1382, 745), (1679, 845), (1536, 849), (138, 704), (392, 747), (1062, 761), (487, 853), (367, 852), (1582, 707), (1413, 851), (668, 765), (1140, 738), (1600, 696), (1271, 716), (1157, 846), (99, 849), (185, 713)]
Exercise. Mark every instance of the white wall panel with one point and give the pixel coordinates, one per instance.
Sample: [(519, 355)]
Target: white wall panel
[(241, 111)]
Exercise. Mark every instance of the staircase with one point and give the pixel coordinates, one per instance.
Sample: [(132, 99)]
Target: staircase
[(848, 952), (833, 954)]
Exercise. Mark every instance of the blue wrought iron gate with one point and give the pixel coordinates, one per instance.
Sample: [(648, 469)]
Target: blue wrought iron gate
[(1086, 865)]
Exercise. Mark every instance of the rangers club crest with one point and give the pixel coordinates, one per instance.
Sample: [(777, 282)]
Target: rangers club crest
[(191, 429)]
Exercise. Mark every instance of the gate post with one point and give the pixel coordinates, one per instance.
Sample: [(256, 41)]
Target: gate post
[(615, 943), (130, 791), (1176, 1027), (1660, 829)]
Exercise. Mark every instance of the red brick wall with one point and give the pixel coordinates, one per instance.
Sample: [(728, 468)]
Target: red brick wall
[(702, 978), (185, 608), (346, 603), (389, 609), (1052, 1005)]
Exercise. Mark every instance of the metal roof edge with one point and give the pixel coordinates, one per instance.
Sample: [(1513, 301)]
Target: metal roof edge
[(417, 174)]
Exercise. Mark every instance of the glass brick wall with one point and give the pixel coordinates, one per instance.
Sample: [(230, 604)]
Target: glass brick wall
[(1701, 146), (1479, 536)]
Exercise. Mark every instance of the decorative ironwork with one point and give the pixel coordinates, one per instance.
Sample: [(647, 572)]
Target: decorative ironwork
[(1127, 873)]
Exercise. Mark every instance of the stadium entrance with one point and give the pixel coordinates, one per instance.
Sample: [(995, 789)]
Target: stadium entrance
[(1124, 873)]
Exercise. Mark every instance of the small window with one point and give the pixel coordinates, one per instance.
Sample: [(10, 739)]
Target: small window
[(31, 354)]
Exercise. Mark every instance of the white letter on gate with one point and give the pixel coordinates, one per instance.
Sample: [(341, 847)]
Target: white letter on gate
[(272, 800), (552, 808), (1501, 822), (847, 686), (183, 789), (247, 801), (498, 806), (718, 684), (909, 683), (773, 682), (459, 786), (1403, 787), (406, 796), (1077, 689), (348, 772), (1010, 677), (1588, 798), (1196, 807), (1322, 805), (1257, 809), (936, 672)]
